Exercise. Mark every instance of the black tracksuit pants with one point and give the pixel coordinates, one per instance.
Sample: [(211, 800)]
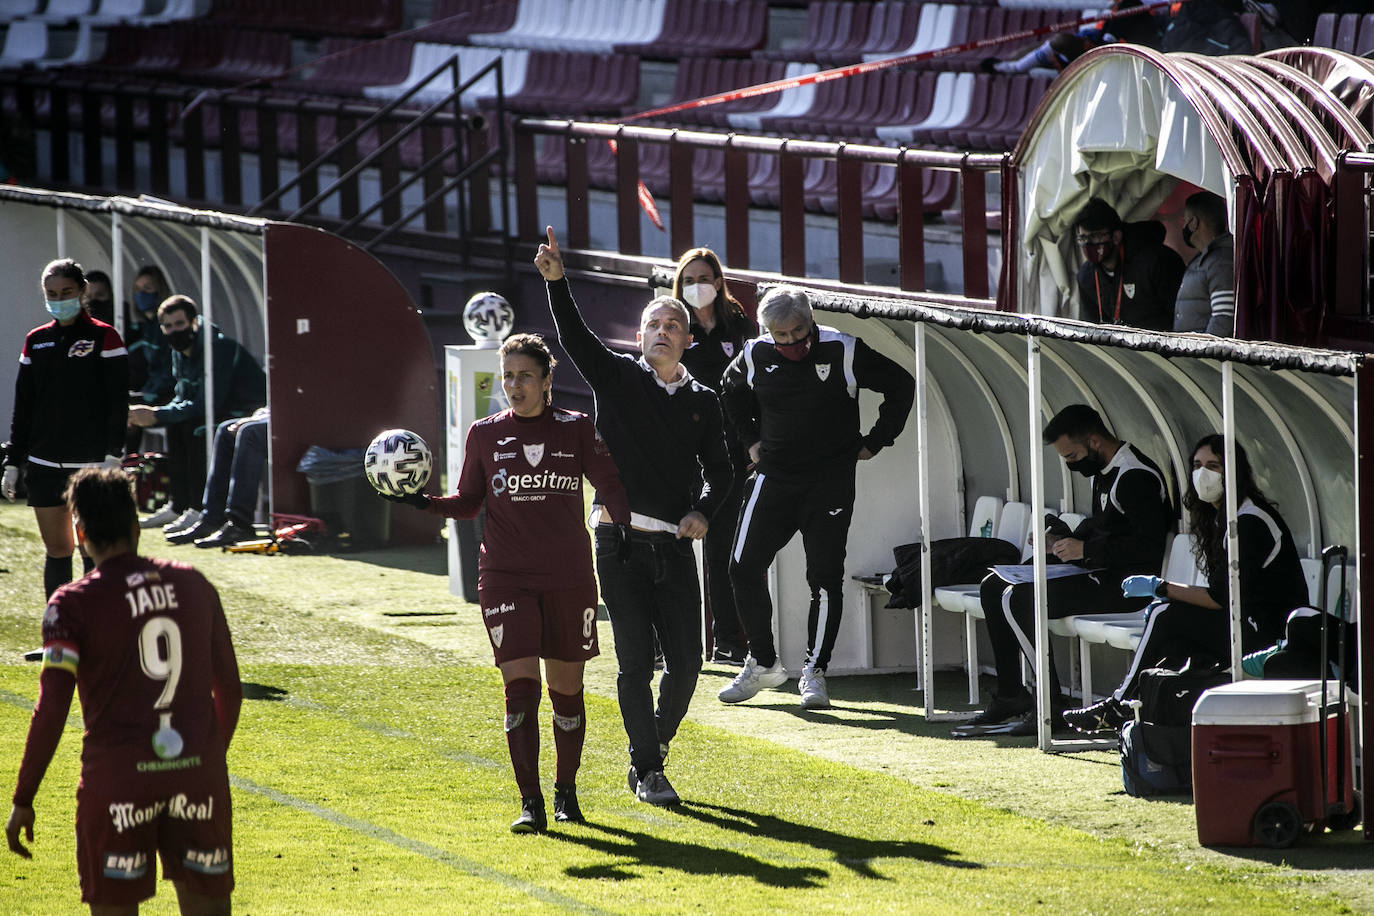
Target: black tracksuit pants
[(773, 512)]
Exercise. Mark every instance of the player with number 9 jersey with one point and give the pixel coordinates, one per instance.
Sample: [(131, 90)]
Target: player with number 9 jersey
[(146, 645)]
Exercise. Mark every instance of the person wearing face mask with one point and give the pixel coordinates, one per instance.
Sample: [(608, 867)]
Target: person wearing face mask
[(664, 430), (1191, 622), (792, 397), (719, 328), (240, 388), (69, 411), (150, 357), (1207, 296), (1128, 276), (98, 299), (1131, 518)]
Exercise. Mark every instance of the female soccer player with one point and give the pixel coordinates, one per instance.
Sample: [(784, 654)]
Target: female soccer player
[(69, 411), (719, 329), (1191, 621), (534, 573)]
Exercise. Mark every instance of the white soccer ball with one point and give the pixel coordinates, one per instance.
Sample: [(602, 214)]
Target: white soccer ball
[(398, 463), (489, 318)]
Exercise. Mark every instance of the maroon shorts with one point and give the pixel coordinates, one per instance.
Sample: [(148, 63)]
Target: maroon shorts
[(184, 817), (558, 624)]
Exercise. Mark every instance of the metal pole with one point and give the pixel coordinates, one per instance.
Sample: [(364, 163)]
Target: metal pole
[(117, 269), (1037, 503), (1228, 430), (207, 339), (923, 634), (61, 233)]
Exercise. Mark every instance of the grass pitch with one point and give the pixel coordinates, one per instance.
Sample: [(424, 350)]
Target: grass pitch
[(371, 776)]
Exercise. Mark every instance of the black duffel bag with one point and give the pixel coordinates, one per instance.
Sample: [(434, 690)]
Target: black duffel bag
[(953, 561)]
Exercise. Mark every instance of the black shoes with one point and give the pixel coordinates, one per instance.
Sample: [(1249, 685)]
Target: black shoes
[(1002, 709), (1029, 726), (201, 529), (565, 807), (532, 818), (227, 535), (1103, 716)]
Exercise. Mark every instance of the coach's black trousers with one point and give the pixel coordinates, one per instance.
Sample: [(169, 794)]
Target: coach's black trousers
[(1009, 612), (773, 511)]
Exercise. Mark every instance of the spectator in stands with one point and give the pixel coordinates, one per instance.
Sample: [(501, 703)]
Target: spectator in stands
[(1207, 295), (99, 297), (1063, 48), (1124, 536), (793, 397), (1129, 276), (1191, 623), (231, 487), (240, 389), (665, 432), (719, 328), (68, 412)]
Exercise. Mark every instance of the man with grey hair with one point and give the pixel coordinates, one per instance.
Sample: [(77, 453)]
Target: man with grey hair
[(1207, 296), (665, 432), (792, 396)]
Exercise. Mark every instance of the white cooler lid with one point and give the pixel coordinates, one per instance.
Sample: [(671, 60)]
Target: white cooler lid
[(1263, 702)]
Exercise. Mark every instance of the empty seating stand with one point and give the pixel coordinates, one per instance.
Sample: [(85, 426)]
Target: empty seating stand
[(579, 25), (347, 65), (455, 21), (324, 17), (715, 27), (571, 84)]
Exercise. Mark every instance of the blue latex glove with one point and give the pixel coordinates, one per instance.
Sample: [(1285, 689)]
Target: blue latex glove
[(1140, 586)]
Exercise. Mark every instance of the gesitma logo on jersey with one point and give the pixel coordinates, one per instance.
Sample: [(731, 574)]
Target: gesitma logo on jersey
[(534, 486)]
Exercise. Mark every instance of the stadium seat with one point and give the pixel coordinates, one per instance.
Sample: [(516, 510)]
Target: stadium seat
[(453, 21), (26, 42), (786, 104), (933, 31), (712, 27), (1347, 32), (346, 65), (426, 57), (110, 12), (64, 10), (1324, 33), (570, 84), (893, 25), (86, 47), (175, 11), (12, 10), (953, 95), (1365, 43), (835, 34), (217, 54)]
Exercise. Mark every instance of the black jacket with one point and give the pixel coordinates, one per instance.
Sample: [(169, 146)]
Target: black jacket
[(1146, 281), (71, 394), (669, 448), (805, 413), (1131, 518)]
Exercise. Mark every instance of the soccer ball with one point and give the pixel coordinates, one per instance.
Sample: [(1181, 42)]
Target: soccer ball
[(489, 318), (398, 463)]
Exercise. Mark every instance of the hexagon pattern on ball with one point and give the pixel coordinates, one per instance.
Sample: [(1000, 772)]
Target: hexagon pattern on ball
[(398, 462)]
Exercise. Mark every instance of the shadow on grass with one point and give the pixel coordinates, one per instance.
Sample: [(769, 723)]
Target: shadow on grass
[(654, 851), (255, 691), (1346, 850), (427, 558)]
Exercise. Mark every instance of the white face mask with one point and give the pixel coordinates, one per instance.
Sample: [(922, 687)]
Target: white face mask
[(699, 295), (1208, 483)]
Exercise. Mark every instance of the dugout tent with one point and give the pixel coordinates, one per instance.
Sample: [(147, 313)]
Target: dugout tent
[(344, 348)]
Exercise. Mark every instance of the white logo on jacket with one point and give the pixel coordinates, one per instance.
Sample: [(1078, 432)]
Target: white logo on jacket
[(1129, 289), (822, 371), (534, 454), (727, 348)]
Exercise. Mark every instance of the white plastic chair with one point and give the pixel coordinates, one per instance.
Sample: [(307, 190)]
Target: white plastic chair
[(793, 103), (11, 10), (65, 10), (26, 42), (111, 12)]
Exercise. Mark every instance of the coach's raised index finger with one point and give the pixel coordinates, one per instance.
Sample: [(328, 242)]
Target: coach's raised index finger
[(553, 240)]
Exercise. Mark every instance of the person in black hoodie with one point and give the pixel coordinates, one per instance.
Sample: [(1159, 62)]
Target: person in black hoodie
[(664, 430), (1129, 276)]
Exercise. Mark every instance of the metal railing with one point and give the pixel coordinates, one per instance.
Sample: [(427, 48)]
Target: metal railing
[(849, 161)]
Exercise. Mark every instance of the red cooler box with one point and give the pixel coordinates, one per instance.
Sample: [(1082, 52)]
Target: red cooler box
[(1257, 761)]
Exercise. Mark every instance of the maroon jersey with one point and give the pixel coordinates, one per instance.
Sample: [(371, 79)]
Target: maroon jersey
[(528, 472), (148, 644)]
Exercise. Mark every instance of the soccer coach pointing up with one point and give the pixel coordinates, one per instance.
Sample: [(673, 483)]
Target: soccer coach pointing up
[(793, 397), (664, 430)]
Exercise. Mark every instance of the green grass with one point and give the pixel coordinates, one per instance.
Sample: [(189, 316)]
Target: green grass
[(370, 776)]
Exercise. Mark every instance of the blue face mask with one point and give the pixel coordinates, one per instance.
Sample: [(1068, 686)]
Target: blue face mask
[(145, 302), (63, 309)]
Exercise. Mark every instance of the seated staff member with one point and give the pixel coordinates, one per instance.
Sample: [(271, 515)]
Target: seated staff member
[(719, 329), (534, 572), (1191, 622), (664, 429), (145, 644), (793, 397), (1131, 517)]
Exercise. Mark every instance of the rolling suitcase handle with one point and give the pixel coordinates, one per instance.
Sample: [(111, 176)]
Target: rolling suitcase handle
[(1333, 808)]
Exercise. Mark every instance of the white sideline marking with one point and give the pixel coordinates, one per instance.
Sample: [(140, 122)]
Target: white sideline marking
[(433, 853)]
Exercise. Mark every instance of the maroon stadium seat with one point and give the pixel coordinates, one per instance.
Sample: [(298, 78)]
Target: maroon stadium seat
[(1347, 31), (707, 27), (820, 34), (1365, 43), (978, 105), (454, 20), (1324, 35), (346, 65), (892, 26)]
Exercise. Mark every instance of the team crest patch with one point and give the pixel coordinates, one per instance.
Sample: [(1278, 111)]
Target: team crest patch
[(823, 371), (1102, 501), (498, 632), (1129, 290), (727, 348), (50, 615), (534, 454), (567, 723), (513, 720), (81, 348)]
